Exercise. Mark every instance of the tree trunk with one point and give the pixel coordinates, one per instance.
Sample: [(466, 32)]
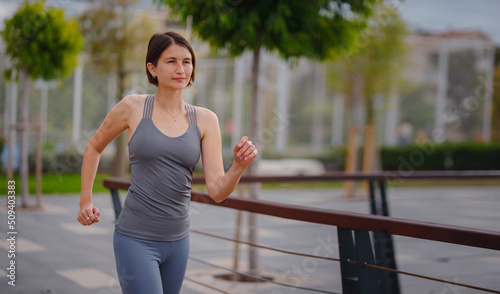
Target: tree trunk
[(255, 129), (351, 160), (369, 155), (352, 148), (370, 144), (358, 82), (24, 142)]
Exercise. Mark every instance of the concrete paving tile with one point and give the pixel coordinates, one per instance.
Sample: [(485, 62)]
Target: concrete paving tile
[(89, 278), (108, 211), (54, 209), (474, 223), (77, 228), (23, 245), (208, 276)]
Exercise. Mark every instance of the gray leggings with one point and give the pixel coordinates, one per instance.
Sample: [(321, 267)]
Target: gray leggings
[(150, 266)]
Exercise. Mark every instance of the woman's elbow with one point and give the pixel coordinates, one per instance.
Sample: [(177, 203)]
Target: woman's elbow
[(92, 150), (216, 195), (217, 200)]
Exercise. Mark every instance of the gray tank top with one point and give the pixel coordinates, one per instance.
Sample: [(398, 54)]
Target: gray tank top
[(157, 204)]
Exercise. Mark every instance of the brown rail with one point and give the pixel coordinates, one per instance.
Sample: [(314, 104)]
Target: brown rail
[(417, 229), (374, 176), (379, 176)]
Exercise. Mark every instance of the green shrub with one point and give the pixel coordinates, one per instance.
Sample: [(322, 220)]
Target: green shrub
[(447, 156), (68, 161)]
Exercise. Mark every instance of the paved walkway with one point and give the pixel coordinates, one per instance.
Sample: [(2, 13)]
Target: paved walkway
[(56, 255)]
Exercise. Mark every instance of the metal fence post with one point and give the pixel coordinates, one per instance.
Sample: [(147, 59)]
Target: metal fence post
[(383, 243), (347, 253), (117, 205), (356, 246), (368, 279)]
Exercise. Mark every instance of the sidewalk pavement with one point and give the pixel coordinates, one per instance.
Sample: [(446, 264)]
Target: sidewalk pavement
[(56, 255)]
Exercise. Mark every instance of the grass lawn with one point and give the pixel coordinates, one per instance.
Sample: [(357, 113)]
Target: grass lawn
[(64, 183), (69, 183)]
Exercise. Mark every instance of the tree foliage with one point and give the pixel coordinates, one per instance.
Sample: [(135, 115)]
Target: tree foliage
[(42, 41), (116, 41), (378, 60), (496, 99), (294, 28), (41, 44), (115, 37)]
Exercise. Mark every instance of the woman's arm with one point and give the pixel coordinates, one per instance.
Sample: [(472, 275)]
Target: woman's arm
[(115, 123), (220, 184)]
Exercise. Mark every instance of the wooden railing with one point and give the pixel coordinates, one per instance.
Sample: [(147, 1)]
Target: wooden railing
[(354, 240), (355, 221)]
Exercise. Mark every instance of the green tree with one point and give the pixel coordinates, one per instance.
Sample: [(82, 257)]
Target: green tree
[(293, 28), (463, 80), (115, 39), (317, 29), (377, 64), (375, 68), (495, 136), (41, 44)]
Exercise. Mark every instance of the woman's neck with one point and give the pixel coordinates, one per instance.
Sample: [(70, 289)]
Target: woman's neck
[(171, 99)]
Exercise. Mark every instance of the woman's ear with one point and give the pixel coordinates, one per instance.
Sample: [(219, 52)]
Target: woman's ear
[(151, 69)]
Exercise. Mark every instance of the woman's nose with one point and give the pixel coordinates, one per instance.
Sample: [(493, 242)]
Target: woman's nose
[(179, 68)]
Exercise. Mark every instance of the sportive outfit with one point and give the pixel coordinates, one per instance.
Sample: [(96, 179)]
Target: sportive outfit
[(151, 240)]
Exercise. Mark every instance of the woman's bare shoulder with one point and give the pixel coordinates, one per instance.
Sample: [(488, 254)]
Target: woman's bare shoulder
[(131, 103), (134, 100), (128, 108), (207, 120), (205, 115)]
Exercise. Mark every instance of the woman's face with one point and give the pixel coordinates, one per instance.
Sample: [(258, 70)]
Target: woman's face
[(174, 68)]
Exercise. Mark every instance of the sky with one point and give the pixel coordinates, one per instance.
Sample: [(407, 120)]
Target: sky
[(433, 15), (441, 15)]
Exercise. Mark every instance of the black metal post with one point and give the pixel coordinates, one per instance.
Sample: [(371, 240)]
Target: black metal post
[(388, 257), (117, 205), (383, 243), (357, 278), (347, 253)]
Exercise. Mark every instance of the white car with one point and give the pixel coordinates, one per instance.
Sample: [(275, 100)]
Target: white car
[(290, 167)]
